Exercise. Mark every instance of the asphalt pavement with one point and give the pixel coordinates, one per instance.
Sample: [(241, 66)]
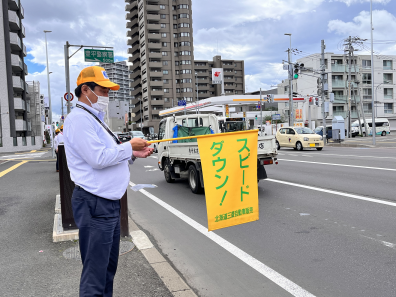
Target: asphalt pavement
[(326, 227)]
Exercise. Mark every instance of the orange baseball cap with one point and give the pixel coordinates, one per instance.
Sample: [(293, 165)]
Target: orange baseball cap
[(97, 75)]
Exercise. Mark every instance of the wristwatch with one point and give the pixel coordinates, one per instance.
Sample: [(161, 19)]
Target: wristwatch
[(133, 158)]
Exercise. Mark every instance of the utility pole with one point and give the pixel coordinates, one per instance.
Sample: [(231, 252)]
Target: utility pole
[(62, 108), (323, 75), (374, 129), (350, 50), (290, 70), (354, 97), (67, 74), (261, 116)]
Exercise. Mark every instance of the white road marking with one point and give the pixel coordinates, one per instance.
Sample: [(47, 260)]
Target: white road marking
[(260, 267), (385, 243), (374, 157), (153, 157), (155, 169), (333, 192), (22, 156), (148, 166), (342, 165)]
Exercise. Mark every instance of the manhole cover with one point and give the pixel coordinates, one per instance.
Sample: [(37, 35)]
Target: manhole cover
[(74, 252)]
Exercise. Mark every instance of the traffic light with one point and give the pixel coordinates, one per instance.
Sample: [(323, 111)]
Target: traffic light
[(297, 69), (255, 117), (316, 101)]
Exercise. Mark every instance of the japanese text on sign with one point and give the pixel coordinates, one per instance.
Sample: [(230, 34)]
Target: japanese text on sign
[(94, 55)]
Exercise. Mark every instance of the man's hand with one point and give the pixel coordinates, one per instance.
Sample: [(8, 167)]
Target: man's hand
[(144, 153), (138, 144)]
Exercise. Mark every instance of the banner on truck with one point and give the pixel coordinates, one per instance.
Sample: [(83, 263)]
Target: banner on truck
[(229, 164)]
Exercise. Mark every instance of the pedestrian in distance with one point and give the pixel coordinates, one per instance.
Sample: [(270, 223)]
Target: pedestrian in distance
[(56, 143), (99, 167)]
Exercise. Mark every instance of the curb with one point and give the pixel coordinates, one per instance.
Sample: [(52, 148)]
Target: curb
[(348, 145), (165, 271)]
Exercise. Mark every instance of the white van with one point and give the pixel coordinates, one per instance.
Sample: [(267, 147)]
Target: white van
[(382, 127)]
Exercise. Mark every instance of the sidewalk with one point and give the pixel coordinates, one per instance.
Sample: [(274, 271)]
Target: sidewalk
[(366, 142), (31, 264)]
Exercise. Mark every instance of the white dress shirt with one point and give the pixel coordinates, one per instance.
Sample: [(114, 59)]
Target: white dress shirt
[(96, 162)]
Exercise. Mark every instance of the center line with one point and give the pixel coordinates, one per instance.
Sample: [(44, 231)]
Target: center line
[(342, 165), (260, 267)]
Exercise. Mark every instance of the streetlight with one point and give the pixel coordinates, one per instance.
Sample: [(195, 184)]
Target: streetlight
[(372, 72), (291, 119), (197, 103), (141, 114), (49, 86)]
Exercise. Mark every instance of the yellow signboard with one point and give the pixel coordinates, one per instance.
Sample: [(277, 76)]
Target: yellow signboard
[(229, 164), (227, 111)]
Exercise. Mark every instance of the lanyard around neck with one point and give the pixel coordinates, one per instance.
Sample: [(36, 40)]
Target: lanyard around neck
[(101, 123)]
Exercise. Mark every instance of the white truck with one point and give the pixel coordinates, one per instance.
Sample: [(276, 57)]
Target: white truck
[(182, 160)]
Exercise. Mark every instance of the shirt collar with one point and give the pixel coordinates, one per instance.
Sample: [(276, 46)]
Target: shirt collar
[(99, 114)]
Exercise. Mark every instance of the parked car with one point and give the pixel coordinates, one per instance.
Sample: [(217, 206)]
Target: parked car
[(123, 136), (298, 138), (137, 134)]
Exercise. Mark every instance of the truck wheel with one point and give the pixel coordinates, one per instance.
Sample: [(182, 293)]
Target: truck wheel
[(299, 146), (383, 133), (277, 145), (167, 172), (193, 180)]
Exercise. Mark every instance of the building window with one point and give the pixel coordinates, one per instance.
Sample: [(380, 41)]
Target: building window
[(388, 78), (162, 6), (182, 6), (185, 71), (387, 64), (174, 26), (163, 16), (185, 62), (174, 35), (186, 80), (166, 90), (166, 81), (183, 16), (185, 53), (163, 34), (175, 44), (184, 25), (367, 94), (165, 71), (184, 34), (185, 43), (175, 54), (164, 53), (177, 90), (388, 93), (163, 25), (367, 107), (366, 64), (175, 17), (164, 44), (366, 78), (165, 63), (176, 63), (166, 99), (388, 107)]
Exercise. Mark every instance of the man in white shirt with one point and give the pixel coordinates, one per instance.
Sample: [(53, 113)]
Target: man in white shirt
[(56, 143), (99, 166)]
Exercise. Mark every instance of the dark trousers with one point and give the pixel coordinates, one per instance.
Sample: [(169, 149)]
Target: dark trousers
[(57, 163), (98, 221)]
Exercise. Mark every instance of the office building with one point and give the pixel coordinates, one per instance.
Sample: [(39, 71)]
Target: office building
[(338, 69), (15, 127)]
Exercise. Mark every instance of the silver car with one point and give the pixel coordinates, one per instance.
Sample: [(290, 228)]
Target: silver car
[(137, 134)]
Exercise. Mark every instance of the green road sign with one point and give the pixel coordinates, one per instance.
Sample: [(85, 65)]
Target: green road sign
[(94, 55)]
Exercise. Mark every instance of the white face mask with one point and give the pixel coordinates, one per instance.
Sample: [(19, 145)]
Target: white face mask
[(101, 104)]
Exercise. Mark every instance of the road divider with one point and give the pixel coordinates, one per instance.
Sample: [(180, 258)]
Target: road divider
[(260, 267), (333, 192)]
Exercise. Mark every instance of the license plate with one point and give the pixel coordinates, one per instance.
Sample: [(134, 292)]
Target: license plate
[(124, 138), (312, 144)]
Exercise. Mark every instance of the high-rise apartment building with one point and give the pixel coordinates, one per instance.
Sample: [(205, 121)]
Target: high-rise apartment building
[(234, 77), (337, 68), (15, 128), (118, 72), (161, 48), (36, 116)]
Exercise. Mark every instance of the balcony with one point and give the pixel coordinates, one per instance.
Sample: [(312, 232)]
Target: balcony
[(19, 104), (354, 114), (153, 27), (131, 32), (13, 4), (157, 102), (17, 64), (134, 48), (13, 20), (152, 8), (22, 12), (152, 45), (134, 66), (23, 31), (24, 52), (388, 96), (157, 83), (155, 64), (155, 111), (136, 92), (25, 68), (343, 68), (156, 74), (338, 83), (157, 93), (17, 83), (153, 17), (16, 44), (28, 110), (155, 55), (26, 88), (154, 36), (20, 125), (128, 7)]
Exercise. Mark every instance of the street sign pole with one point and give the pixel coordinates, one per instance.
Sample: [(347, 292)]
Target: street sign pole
[(67, 70)]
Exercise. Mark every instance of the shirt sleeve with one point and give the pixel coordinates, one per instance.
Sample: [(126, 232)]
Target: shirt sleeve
[(83, 139)]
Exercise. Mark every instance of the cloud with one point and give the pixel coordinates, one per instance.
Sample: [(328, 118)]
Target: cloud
[(383, 23), (351, 2)]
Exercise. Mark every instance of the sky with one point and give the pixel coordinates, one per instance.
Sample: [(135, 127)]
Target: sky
[(249, 30)]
